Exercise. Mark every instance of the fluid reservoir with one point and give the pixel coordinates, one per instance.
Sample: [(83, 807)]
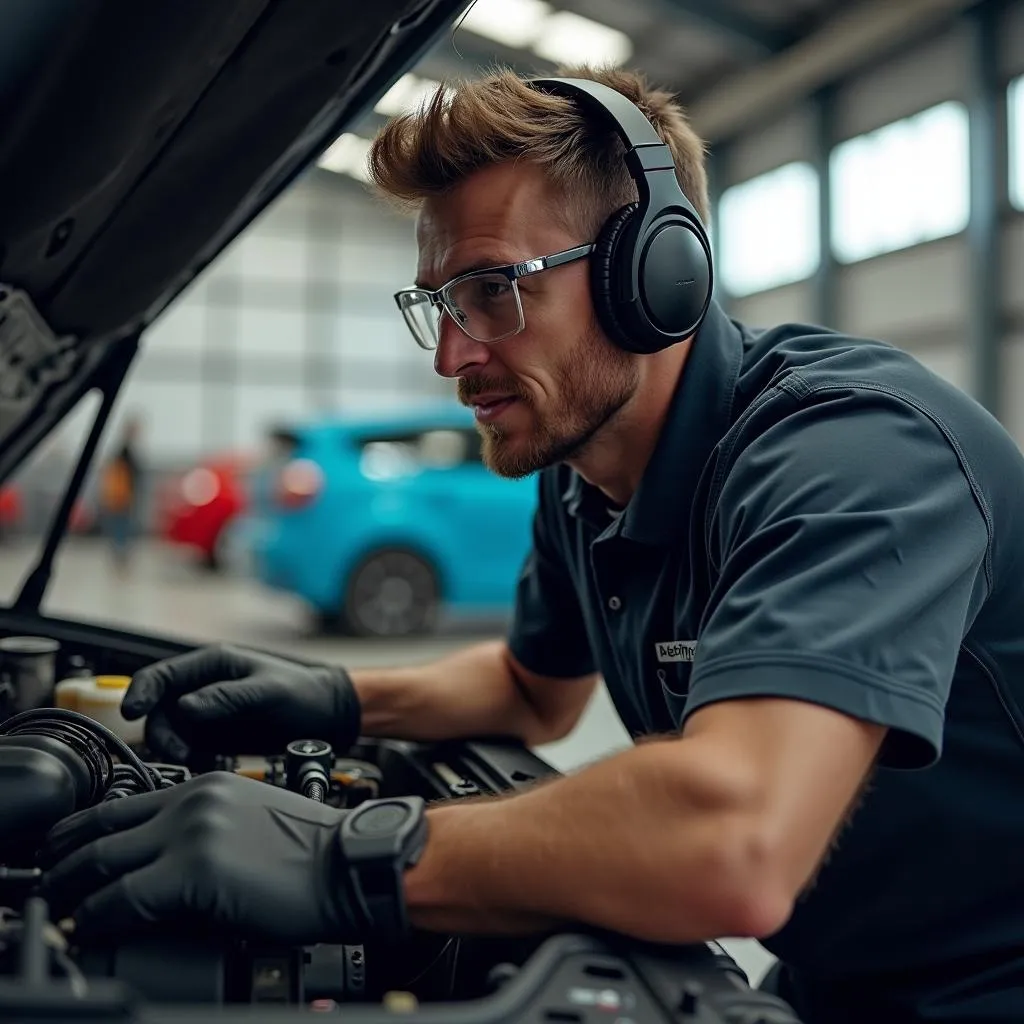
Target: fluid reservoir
[(99, 697)]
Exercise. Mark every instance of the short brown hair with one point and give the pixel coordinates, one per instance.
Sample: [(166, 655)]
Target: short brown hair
[(473, 124)]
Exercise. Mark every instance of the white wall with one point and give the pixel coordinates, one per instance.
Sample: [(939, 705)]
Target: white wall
[(296, 318), (910, 296), (788, 138), (792, 302)]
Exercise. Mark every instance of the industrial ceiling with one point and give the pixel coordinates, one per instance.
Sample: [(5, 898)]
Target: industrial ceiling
[(734, 63)]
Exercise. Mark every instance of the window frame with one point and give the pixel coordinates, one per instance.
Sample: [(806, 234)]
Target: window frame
[(1015, 142)]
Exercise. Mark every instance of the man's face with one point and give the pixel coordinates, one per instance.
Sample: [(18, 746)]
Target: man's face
[(540, 396)]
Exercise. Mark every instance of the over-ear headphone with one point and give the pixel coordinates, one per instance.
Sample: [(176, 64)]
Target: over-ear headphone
[(651, 270)]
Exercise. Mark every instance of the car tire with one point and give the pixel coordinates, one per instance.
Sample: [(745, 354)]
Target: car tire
[(392, 592), (213, 560), (218, 558), (330, 623)]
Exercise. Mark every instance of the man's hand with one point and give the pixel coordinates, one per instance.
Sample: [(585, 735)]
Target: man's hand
[(222, 850), (227, 700)]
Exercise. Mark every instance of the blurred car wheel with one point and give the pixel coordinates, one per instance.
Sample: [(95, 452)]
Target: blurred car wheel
[(232, 551), (391, 593), (218, 558)]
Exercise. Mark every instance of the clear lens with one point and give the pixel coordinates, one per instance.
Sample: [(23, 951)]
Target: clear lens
[(487, 306), (422, 317)]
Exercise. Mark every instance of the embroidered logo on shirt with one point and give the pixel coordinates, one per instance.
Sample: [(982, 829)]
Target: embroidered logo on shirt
[(676, 650)]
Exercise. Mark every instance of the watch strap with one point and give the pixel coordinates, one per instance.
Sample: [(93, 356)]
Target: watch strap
[(380, 840)]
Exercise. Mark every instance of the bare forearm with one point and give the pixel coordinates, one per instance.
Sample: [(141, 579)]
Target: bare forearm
[(625, 845), (469, 693)]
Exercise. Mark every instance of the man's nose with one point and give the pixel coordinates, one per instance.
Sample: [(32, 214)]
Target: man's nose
[(456, 351)]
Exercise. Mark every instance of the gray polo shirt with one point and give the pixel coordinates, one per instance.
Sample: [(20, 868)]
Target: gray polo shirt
[(826, 520)]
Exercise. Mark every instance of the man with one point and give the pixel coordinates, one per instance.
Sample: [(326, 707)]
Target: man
[(793, 556)]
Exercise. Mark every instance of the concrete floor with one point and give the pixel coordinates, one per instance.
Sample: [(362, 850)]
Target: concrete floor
[(167, 594)]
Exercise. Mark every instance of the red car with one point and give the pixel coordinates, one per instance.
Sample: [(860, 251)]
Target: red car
[(11, 508), (199, 504)]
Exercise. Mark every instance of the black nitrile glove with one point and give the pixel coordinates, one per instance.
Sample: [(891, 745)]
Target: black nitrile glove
[(228, 700), (221, 851)]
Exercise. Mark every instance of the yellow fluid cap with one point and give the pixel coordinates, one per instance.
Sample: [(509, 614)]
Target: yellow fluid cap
[(400, 1002), (113, 682)]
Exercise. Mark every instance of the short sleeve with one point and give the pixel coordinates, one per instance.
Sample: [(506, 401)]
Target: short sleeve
[(549, 634), (850, 550)]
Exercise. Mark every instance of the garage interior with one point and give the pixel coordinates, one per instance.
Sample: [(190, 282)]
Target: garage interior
[(867, 168)]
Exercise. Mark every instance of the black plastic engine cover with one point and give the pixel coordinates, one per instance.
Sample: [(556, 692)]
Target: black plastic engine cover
[(164, 970)]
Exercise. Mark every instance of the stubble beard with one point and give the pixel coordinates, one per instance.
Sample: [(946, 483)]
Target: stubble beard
[(594, 383)]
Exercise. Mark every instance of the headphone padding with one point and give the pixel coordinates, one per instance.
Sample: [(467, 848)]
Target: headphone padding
[(602, 274)]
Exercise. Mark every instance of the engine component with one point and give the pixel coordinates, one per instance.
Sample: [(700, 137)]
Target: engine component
[(27, 670), (88, 738), (337, 973), (54, 762), (198, 971), (308, 765), (360, 780), (42, 780), (36, 950), (350, 781), (569, 977), (100, 698)]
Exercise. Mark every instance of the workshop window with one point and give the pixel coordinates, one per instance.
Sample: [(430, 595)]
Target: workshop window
[(1015, 139), (900, 185), (768, 230)]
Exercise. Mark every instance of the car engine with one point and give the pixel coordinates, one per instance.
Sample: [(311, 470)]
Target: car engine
[(54, 762)]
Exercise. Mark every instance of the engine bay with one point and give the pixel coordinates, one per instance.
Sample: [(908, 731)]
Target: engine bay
[(55, 761)]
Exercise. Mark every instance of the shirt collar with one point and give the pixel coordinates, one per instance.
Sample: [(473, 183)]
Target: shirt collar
[(699, 416)]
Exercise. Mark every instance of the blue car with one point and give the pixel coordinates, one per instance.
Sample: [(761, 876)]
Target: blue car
[(383, 524)]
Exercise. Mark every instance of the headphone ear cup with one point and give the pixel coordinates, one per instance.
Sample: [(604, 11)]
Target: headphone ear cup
[(603, 261)]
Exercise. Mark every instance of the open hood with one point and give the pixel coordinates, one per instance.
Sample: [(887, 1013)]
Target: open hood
[(138, 140)]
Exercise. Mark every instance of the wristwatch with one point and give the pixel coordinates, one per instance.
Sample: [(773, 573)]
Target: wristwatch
[(379, 841)]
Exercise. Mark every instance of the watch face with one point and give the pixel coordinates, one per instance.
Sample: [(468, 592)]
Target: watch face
[(380, 819)]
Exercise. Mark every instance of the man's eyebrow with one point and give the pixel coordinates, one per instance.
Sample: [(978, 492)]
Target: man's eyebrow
[(489, 263)]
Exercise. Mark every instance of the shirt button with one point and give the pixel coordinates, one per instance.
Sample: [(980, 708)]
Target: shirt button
[(614, 603)]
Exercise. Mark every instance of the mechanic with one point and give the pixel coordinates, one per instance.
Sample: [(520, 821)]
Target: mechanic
[(795, 558)]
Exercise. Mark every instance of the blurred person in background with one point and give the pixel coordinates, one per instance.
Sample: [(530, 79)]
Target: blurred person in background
[(119, 494), (793, 556)]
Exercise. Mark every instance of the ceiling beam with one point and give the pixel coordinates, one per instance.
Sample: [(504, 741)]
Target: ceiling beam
[(734, 25), (444, 63), (464, 54), (837, 49)]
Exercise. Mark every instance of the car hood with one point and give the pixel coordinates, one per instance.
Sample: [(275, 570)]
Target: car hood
[(139, 139)]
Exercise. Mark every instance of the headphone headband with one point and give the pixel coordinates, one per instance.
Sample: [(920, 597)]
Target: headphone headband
[(627, 118), (651, 270)]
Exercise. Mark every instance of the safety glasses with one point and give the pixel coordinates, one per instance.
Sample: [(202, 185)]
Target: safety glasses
[(484, 303)]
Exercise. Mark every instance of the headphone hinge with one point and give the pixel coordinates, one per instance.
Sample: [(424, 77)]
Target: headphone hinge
[(649, 157), (651, 269)]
